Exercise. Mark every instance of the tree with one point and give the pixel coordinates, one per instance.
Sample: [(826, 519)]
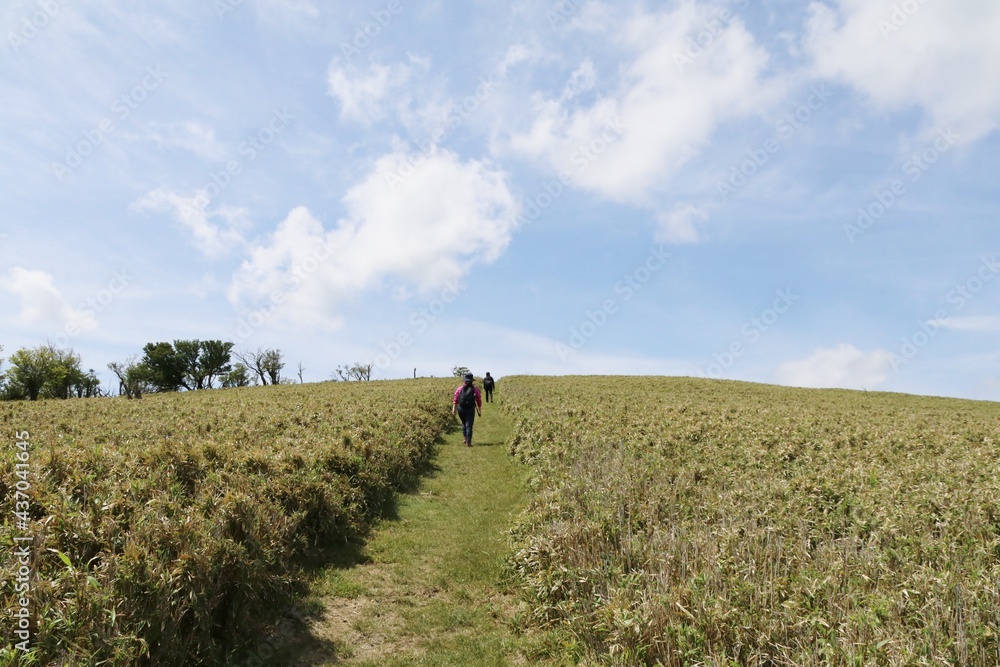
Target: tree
[(189, 364), (188, 352), (43, 372), (356, 372), (267, 364), (239, 376), (133, 378), (214, 360), (89, 385), (68, 377), (459, 371), (273, 364), (165, 367), (252, 360), (300, 372)]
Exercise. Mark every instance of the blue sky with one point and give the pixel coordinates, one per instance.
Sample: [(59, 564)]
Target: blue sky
[(788, 192)]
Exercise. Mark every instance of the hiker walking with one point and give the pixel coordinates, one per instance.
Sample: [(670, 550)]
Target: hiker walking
[(488, 385), (467, 402)]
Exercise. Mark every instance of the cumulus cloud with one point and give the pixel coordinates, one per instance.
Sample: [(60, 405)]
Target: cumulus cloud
[(843, 366), (363, 96), (42, 305), (401, 93), (936, 55), (426, 224), (674, 92), (215, 232)]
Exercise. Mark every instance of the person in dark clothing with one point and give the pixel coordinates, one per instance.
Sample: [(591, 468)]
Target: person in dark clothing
[(488, 385), (467, 402)]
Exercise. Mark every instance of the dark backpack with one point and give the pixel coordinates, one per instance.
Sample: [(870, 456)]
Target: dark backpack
[(467, 398)]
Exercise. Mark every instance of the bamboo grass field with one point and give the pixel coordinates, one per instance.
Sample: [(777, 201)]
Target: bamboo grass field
[(669, 521), (698, 522), (174, 529)]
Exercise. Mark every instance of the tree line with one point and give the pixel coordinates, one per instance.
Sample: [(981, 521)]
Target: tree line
[(184, 365), (46, 372)]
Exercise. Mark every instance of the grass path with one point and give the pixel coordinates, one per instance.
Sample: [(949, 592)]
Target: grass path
[(426, 590)]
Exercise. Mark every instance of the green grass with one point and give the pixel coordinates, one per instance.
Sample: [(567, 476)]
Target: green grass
[(643, 521), (177, 528), (428, 587), (677, 521)]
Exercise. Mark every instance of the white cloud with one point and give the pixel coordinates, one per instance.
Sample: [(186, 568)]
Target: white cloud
[(982, 324), (671, 98), (680, 225), (426, 225), (42, 305), (592, 16), (515, 55), (193, 136), (581, 81), (843, 366), (215, 232), (402, 93), (937, 55), (364, 96)]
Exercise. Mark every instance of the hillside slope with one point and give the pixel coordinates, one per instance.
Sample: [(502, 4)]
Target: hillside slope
[(681, 521), (174, 530)]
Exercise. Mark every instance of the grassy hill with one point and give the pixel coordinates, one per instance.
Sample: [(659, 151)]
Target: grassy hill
[(680, 521), (173, 530), (671, 521)]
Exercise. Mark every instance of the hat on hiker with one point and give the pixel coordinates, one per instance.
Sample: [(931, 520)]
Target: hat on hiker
[(468, 377)]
